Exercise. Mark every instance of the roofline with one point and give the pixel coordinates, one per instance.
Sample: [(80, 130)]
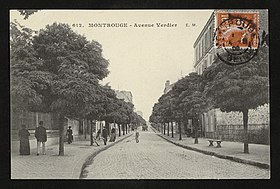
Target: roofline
[(204, 28)]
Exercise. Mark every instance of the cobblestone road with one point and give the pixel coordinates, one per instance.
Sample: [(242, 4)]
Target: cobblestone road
[(155, 158)]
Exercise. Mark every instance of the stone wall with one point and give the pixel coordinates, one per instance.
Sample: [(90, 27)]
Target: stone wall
[(31, 120), (229, 125), (256, 116)]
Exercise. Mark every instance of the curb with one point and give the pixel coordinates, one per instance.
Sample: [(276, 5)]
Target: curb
[(235, 159), (89, 159), (153, 129)]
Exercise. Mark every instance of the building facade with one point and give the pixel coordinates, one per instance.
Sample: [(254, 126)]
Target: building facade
[(167, 87), (51, 123), (204, 47), (125, 95), (204, 50), (215, 123)]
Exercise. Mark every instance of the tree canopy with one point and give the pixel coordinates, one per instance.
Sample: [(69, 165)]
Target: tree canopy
[(230, 88), (185, 100), (27, 12), (57, 70), (74, 65), (26, 77), (238, 88)]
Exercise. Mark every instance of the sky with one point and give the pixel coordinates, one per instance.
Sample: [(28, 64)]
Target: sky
[(141, 58)]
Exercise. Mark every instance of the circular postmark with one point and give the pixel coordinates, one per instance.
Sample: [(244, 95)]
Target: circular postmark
[(236, 37)]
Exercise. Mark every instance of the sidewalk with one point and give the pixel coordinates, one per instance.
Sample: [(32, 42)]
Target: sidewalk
[(259, 155), (52, 166)]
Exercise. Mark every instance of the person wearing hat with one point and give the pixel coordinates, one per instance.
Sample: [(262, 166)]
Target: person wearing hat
[(41, 136), (105, 135), (69, 135), (24, 148)]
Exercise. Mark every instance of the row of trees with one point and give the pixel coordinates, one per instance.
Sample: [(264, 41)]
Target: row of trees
[(57, 70), (230, 88)]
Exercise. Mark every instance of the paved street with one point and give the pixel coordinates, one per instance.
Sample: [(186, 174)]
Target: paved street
[(155, 158)]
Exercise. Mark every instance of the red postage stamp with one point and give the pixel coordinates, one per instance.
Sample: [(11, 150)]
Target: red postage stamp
[(237, 29)]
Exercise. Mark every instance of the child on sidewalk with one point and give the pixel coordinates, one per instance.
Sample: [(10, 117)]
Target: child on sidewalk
[(137, 135)]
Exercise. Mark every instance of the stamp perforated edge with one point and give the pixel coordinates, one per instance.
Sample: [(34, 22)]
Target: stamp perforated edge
[(241, 11)]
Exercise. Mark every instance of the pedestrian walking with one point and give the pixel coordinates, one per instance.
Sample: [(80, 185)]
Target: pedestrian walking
[(137, 135), (113, 135), (104, 135), (41, 136), (24, 146), (69, 134), (98, 134), (94, 138)]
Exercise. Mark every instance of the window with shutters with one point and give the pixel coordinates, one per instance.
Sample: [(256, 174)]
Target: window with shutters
[(196, 54), (203, 47), (211, 34), (207, 39), (199, 51)]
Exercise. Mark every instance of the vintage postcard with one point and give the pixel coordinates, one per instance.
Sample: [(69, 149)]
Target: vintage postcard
[(139, 94)]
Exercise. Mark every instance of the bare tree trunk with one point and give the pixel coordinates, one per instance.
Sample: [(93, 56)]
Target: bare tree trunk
[(91, 137), (164, 128), (85, 128), (61, 135), (115, 127), (168, 128), (195, 124), (172, 134), (180, 130), (119, 126), (126, 128), (245, 123)]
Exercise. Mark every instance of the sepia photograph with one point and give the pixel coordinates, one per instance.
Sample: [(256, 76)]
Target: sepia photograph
[(140, 94)]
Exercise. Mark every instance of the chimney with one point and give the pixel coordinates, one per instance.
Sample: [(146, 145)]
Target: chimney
[(167, 83)]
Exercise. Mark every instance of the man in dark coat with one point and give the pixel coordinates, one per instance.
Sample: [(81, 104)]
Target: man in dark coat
[(41, 136), (104, 135)]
